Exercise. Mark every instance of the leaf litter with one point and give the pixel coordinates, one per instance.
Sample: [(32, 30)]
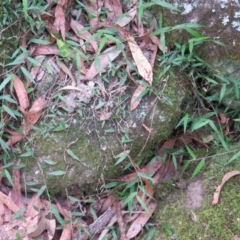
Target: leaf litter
[(37, 217)]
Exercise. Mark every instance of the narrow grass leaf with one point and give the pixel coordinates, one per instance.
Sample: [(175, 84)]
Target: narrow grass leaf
[(56, 214), (143, 204), (50, 162), (40, 41), (27, 74), (129, 198), (220, 135), (191, 152), (9, 111), (8, 176), (122, 156), (4, 146), (234, 157), (40, 191), (6, 81), (222, 92), (57, 173), (143, 175), (198, 168), (71, 154)]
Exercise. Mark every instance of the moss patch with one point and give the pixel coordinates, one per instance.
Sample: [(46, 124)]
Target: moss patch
[(207, 222)]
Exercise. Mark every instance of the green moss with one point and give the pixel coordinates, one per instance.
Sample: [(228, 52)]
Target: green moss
[(211, 222)]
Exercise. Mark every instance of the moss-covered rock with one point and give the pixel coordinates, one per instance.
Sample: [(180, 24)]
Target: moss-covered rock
[(187, 213), (96, 144)]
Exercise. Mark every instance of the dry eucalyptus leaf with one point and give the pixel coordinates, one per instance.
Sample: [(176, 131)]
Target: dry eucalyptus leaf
[(140, 221), (21, 92), (143, 65), (59, 22), (135, 101)]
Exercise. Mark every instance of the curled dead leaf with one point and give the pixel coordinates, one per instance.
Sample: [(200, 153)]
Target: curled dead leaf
[(219, 188)]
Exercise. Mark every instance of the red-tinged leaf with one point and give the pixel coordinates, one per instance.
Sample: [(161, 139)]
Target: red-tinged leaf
[(148, 187), (16, 190), (219, 188), (32, 116), (46, 50), (135, 101), (59, 23), (77, 28), (21, 92), (17, 137), (104, 116), (105, 58), (140, 221), (143, 65)]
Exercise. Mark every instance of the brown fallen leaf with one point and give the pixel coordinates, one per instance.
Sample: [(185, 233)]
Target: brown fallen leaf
[(219, 188), (127, 19), (34, 70), (45, 50), (121, 224), (65, 69), (114, 9), (8, 202), (136, 99), (16, 194), (21, 92), (34, 113), (104, 59), (59, 23), (140, 221), (105, 115), (143, 65), (78, 29)]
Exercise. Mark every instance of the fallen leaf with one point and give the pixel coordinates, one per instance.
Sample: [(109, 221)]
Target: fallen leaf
[(8, 202), (59, 23), (78, 29), (67, 71), (143, 66), (16, 195), (114, 9), (219, 188), (34, 70), (46, 50), (127, 19), (140, 221), (105, 115), (105, 59), (146, 128), (121, 224), (21, 92), (135, 101)]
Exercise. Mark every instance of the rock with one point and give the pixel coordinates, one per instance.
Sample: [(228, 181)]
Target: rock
[(87, 149), (221, 21)]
